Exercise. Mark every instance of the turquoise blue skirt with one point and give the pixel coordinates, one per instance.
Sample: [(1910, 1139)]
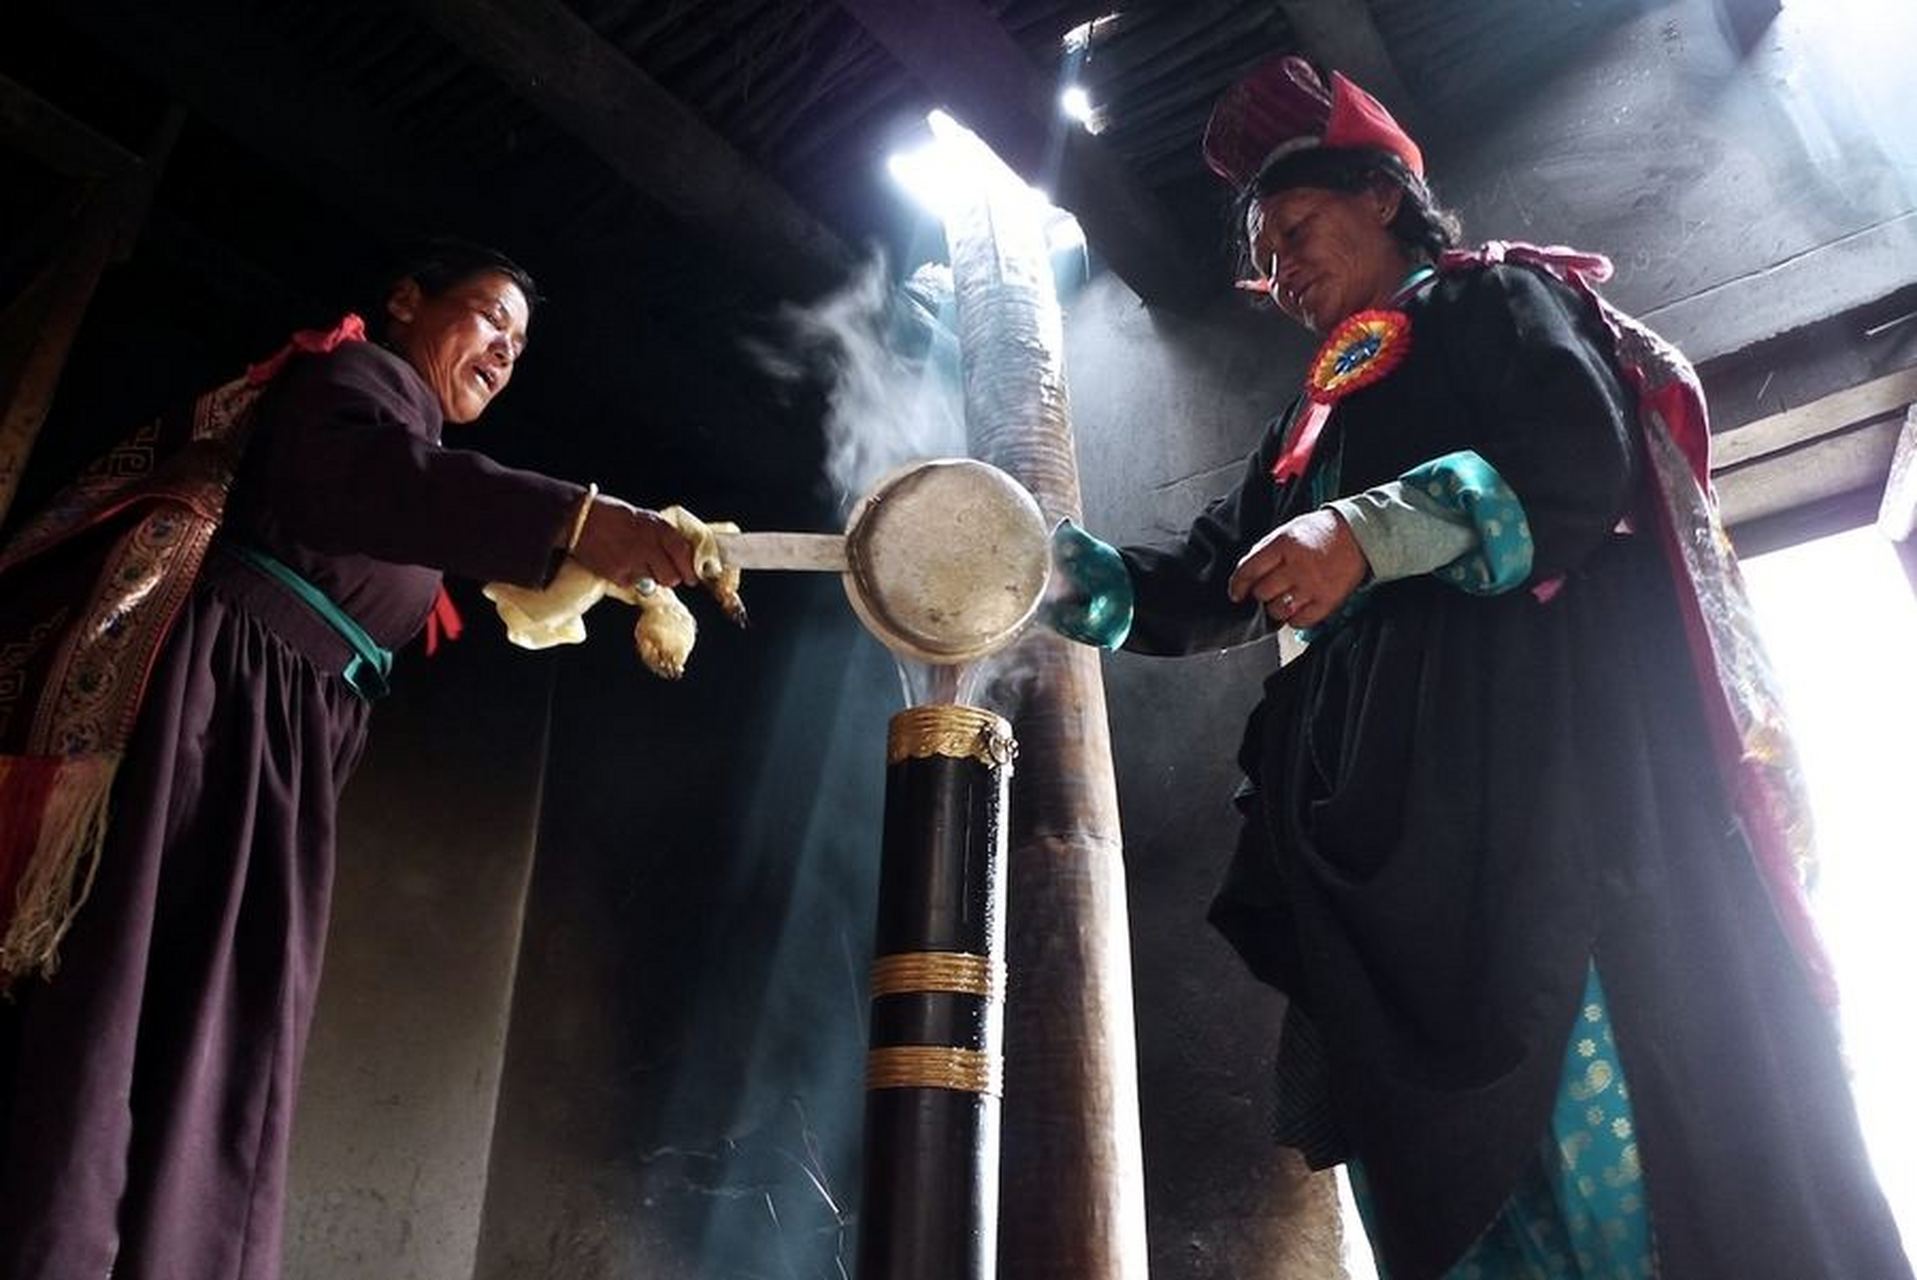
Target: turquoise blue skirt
[(1578, 1213)]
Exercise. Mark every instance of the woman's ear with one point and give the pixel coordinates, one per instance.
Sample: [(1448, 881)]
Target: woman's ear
[(1388, 198), (402, 304)]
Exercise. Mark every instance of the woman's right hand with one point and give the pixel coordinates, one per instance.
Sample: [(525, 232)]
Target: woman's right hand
[(625, 544)]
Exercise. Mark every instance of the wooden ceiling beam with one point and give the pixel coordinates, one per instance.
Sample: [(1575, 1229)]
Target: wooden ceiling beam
[(1827, 415), (553, 59), (960, 52), (1839, 443), (31, 124)]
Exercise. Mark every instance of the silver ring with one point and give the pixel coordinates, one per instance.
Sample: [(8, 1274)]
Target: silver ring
[(1285, 600), (645, 586)]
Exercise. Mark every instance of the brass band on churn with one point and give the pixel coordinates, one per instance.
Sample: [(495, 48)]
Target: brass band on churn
[(955, 732), (933, 1066), (958, 972)]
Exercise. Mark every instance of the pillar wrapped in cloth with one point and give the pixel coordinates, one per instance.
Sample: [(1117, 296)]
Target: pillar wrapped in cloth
[(930, 1204)]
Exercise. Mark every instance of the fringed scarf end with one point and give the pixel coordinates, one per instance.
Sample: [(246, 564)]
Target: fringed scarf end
[(55, 824)]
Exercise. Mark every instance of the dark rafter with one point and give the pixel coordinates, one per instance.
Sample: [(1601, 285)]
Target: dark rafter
[(974, 67), (548, 55), (31, 124)]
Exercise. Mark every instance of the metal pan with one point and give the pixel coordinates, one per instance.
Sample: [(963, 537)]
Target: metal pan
[(944, 561)]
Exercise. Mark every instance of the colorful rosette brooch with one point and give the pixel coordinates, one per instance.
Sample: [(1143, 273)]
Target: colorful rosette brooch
[(1361, 350)]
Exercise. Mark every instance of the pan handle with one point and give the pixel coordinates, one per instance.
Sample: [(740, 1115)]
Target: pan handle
[(819, 552)]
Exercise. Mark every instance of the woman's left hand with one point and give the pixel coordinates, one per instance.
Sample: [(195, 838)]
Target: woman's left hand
[(1303, 570)]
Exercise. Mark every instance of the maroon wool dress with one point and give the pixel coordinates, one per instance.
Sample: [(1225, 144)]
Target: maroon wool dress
[(146, 1091)]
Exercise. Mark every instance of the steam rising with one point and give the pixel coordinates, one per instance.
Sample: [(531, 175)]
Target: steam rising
[(888, 368), (886, 361)]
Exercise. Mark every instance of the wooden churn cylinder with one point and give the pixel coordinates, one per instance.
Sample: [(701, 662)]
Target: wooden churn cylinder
[(935, 1068)]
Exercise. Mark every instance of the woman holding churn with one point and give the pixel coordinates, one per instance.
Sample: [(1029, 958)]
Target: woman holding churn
[(1522, 828), (187, 681)]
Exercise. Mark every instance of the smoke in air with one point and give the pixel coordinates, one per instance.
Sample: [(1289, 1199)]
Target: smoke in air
[(888, 368)]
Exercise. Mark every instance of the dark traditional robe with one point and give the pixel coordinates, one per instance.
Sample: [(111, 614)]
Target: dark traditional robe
[(1458, 803), (146, 1090)]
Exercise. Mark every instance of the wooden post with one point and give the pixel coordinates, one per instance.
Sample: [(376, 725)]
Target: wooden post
[(1072, 1183)]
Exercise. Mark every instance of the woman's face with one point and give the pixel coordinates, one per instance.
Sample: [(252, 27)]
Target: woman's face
[(1327, 253), (463, 341)]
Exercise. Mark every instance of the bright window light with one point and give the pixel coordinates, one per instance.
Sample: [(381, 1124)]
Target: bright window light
[(932, 184), (1063, 234), (1077, 105), (1851, 692), (947, 173)]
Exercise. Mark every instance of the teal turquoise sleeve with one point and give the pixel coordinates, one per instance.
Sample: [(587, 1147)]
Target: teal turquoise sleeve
[(1453, 518), (1470, 490), (1091, 600)]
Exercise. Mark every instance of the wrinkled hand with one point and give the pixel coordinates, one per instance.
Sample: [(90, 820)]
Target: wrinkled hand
[(624, 544), (1303, 570)]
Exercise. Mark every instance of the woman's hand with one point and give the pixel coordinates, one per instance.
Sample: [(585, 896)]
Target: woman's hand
[(1303, 570), (625, 544)]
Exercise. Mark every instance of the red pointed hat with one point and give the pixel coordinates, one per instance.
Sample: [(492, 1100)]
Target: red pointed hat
[(1282, 106)]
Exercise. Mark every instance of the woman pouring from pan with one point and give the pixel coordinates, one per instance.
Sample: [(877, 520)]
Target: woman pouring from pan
[(1521, 829)]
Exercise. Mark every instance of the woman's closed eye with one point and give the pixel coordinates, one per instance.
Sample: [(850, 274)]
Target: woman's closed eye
[(1288, 236), (501, 322)]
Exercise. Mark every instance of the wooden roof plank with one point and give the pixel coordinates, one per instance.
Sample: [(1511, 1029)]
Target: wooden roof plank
[(30, 123)]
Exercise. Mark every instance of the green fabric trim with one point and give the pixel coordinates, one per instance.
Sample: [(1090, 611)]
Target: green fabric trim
[(367, 674), (1414, 279)]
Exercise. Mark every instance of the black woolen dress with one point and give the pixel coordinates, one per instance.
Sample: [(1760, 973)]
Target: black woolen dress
[(1457, 804)]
